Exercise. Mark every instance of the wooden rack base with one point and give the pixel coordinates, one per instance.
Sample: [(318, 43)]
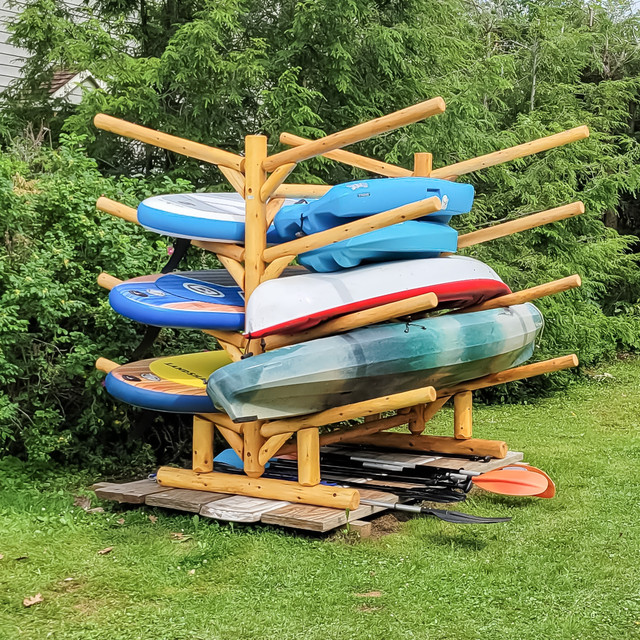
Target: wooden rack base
[(243, 509)]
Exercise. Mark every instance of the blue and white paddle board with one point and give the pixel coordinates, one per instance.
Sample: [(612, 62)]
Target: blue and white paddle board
[(213, 217), (185, 299)]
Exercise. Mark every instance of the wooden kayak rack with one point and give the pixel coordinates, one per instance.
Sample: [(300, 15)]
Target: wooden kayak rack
[(260, 179)]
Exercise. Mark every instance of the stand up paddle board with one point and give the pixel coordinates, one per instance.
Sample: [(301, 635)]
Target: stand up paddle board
[(302, 301), (185, 300), (359, 199), (215, 217), (175, 384), (375, 361)]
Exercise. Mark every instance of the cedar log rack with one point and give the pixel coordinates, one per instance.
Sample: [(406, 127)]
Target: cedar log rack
[(260, 179)]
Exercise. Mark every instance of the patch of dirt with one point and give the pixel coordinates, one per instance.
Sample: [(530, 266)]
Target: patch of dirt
[(386, 524)]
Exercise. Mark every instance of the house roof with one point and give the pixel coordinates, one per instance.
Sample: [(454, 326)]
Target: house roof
[(59, 79)]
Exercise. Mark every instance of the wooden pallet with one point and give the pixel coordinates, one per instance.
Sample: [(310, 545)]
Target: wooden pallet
[(234, 508)]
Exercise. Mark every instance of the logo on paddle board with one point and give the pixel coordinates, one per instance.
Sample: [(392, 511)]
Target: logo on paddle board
[(203, 290), (146, 293), (151, 377)]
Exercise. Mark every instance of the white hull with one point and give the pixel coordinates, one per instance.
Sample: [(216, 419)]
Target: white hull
[(296, 303)]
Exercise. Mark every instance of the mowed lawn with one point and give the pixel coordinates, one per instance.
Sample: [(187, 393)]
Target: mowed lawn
[(563, 568)]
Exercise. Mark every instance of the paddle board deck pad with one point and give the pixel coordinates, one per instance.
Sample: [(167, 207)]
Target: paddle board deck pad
[(359, 199), (300, 302), (212, 217), (375, 361), (174, 384), (185, 300), (406, 240)]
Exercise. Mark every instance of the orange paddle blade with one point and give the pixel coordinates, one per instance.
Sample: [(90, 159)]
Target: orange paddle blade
[(512, 482), (550, 491)]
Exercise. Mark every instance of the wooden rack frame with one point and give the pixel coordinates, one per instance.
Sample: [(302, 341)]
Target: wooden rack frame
[(260, 179)]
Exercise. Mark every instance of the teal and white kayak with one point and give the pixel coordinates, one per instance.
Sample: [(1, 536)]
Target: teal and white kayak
[(375, 361)]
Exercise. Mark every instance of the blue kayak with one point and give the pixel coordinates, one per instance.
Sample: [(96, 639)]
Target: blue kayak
[(407, 240), (359, 199)]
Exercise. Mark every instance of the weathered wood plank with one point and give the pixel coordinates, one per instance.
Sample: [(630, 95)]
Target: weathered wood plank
[(323, 519), (240, 508), (130, 492), (183, 499)]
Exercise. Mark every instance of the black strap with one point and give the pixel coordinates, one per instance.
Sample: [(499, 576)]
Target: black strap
[(180, 247)]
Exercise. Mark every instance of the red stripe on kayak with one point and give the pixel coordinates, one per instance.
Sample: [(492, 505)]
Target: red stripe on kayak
[(458, 294)]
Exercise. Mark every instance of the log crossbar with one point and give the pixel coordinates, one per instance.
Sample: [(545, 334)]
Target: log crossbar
[(521, 224), (452, 171), (382, 313), (350, 411), (352, 159), (166, 141), (296, 190), (528, 295), (355, 134)]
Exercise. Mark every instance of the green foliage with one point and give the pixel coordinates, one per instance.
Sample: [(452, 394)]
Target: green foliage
[(55, 321), (509, 70)]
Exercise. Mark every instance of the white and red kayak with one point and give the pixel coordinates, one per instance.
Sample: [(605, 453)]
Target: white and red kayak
[(293, 304)]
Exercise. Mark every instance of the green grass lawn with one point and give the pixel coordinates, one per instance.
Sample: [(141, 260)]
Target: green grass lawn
[(563, 568)]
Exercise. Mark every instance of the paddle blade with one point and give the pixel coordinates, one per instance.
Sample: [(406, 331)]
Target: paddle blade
[(457, 517), (550, 491), (512, 482)]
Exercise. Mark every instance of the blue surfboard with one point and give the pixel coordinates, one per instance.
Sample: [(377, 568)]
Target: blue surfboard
[(190, 300)]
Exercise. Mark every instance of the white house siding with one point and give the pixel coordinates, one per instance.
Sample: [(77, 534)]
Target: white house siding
[(12, 58)]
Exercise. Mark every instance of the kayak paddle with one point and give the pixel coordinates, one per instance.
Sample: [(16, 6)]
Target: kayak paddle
[(456, 517)]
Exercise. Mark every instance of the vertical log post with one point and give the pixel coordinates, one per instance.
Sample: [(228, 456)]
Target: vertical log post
[(255, 242), (422, 167), (308, 457), (253, 442), (202, 445), (422, 164), (462, 415)]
